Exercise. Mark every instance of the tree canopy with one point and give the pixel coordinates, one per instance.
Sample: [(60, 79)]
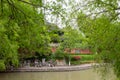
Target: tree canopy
[(73, 38), (22, 30), (101, 26)]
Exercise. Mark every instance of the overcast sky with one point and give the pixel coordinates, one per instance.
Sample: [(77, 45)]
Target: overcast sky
[(68, 6)]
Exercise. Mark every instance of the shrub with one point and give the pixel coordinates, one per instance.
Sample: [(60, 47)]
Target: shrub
[(75, 62), (59, 55), (2, 65), (87, 57), (76, 58)]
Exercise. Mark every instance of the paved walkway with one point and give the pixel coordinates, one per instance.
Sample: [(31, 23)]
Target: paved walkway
[(52, 69)]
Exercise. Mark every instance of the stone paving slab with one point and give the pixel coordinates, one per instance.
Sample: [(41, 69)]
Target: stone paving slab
[(53, 69)]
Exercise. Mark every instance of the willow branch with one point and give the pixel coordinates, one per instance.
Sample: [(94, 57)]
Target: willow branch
[(1, 7)]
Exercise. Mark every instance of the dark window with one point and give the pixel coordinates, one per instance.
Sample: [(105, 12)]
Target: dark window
[(77, 51)]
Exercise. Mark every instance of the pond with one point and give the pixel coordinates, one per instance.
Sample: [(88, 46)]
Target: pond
[(89, 74)]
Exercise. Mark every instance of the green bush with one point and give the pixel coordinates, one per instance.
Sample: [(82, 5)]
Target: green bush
[(76, 62), (52, 57), (75, 58), (83, 59), (87, 57), (59, 55), (2, 65)]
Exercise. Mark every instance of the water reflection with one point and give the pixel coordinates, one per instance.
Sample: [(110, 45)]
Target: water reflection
[(74, 75)]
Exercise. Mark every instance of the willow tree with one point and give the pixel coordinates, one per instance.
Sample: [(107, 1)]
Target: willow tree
[(22, 30), (73, 38), (19, 28), (101, 26)]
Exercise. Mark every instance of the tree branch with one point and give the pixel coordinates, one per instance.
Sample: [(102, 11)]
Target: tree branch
[(16, 9), (36, 5)]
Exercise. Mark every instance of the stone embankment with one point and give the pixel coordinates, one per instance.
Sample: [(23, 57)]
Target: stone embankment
[(52, 69)]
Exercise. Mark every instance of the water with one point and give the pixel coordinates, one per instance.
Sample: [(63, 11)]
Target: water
[(73, 75)]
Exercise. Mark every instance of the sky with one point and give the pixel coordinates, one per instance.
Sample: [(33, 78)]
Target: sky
[(68, 6)]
